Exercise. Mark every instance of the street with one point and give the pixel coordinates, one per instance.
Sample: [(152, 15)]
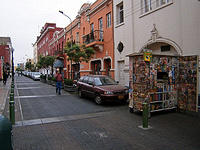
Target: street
[(46, 121)]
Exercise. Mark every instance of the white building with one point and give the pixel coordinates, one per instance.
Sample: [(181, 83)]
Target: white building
[(35, 56), (163, 26)]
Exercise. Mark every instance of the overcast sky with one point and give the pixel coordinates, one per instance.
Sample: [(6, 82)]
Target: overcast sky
[(22, 20)]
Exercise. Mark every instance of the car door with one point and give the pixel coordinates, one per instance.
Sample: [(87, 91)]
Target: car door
[(84, 86), (91, 90)]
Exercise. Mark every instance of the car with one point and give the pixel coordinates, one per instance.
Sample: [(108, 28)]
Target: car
[(101, 88), (36, 75)]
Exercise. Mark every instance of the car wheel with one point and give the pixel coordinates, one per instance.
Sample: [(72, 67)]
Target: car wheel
[(98, 100), (80, 93), (131, 110)]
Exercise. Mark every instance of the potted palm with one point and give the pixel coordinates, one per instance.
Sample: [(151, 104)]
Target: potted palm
[(53, 81), (69, 85), (43, 78), (49, 78)]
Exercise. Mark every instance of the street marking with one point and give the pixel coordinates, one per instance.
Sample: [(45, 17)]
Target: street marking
[(4, 98), (27, 88), (28, 83), (61, 119), (35, 96), (20, 107)]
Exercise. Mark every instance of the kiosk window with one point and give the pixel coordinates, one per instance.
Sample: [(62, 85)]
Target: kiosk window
[(162, 76)]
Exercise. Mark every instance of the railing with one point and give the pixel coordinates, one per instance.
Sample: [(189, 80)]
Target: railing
[(58, 52), (96, 35)]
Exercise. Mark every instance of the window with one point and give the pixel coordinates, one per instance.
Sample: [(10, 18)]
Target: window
[(146, 5), (120, 13), (77, 37), (101, 29), (108, 19), (81, 79), (161, 2), (85, 80), (165, 48), (83, 30), (91, 81), (92, 27)]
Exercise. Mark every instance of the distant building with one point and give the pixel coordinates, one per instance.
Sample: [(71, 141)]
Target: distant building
[(43, 39), (35, 53), (5, 53), (43, 42), (21, 66)]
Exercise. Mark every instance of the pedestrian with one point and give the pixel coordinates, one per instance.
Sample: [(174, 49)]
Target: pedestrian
[(5, 76), (59, 80)]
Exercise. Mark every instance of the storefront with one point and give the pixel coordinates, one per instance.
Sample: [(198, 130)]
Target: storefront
[(163, 81)]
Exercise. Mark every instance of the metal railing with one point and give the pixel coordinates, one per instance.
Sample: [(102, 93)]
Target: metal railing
[(96, 35)]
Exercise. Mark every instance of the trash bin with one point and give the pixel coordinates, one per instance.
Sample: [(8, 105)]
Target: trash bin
[(5, 134)]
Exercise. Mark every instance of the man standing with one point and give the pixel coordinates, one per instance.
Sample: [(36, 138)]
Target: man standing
[(59, 80), (5, 76)]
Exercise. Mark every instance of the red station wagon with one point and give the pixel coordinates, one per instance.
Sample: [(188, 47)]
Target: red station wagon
[(101, 88)]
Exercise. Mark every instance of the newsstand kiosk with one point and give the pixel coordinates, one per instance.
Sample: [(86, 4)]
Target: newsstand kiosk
[(164, 82)]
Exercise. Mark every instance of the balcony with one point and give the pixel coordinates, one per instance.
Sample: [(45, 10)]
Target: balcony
[(94, 39)]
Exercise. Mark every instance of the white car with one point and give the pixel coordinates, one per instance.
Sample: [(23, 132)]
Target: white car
[(36, 75)]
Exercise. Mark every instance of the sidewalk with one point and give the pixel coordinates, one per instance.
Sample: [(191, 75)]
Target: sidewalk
[(4, 89)]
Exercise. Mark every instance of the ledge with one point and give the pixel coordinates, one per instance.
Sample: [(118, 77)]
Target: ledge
[(118, 25)]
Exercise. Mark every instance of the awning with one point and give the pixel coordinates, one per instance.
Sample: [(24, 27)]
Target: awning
[(58, 63)]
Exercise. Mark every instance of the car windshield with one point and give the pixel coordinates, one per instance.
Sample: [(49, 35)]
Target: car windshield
[(37, 73), (104, 81)]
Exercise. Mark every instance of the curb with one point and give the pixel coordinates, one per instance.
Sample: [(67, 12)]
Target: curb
[(5, 97)]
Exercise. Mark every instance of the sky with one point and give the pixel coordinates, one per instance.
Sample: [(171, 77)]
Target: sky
[(22, 20)]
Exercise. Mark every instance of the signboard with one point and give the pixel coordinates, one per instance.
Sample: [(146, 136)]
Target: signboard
[(147, 56)]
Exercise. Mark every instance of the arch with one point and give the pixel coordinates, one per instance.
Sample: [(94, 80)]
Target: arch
[(108, 57), (163, 40), (96, 60)]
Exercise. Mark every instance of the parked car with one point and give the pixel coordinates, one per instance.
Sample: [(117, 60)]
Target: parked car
[(36, 75), (101, 88)]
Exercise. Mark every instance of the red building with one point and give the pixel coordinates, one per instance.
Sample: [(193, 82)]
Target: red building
[(45, 37), (56, 46), (5, 54), (93, 27)]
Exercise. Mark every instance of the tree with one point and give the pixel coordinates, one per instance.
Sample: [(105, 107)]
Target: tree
[(78, 53), (41, 62), (45, 62), (28, 65), (49, 60)]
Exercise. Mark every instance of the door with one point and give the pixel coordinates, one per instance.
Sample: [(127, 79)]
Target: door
[(91, 92), (188, 83), (121, 72)]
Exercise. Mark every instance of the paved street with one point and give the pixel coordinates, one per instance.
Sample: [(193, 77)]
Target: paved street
[(46, 121)]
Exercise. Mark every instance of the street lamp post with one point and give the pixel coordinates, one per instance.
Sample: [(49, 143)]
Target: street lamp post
[(70, 33), (12, 65)]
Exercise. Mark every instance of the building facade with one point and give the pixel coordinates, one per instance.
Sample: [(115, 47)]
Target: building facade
[(5, 50), (35, 55), (93, 27), (45, 36), (43, 42), (166, 27)]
